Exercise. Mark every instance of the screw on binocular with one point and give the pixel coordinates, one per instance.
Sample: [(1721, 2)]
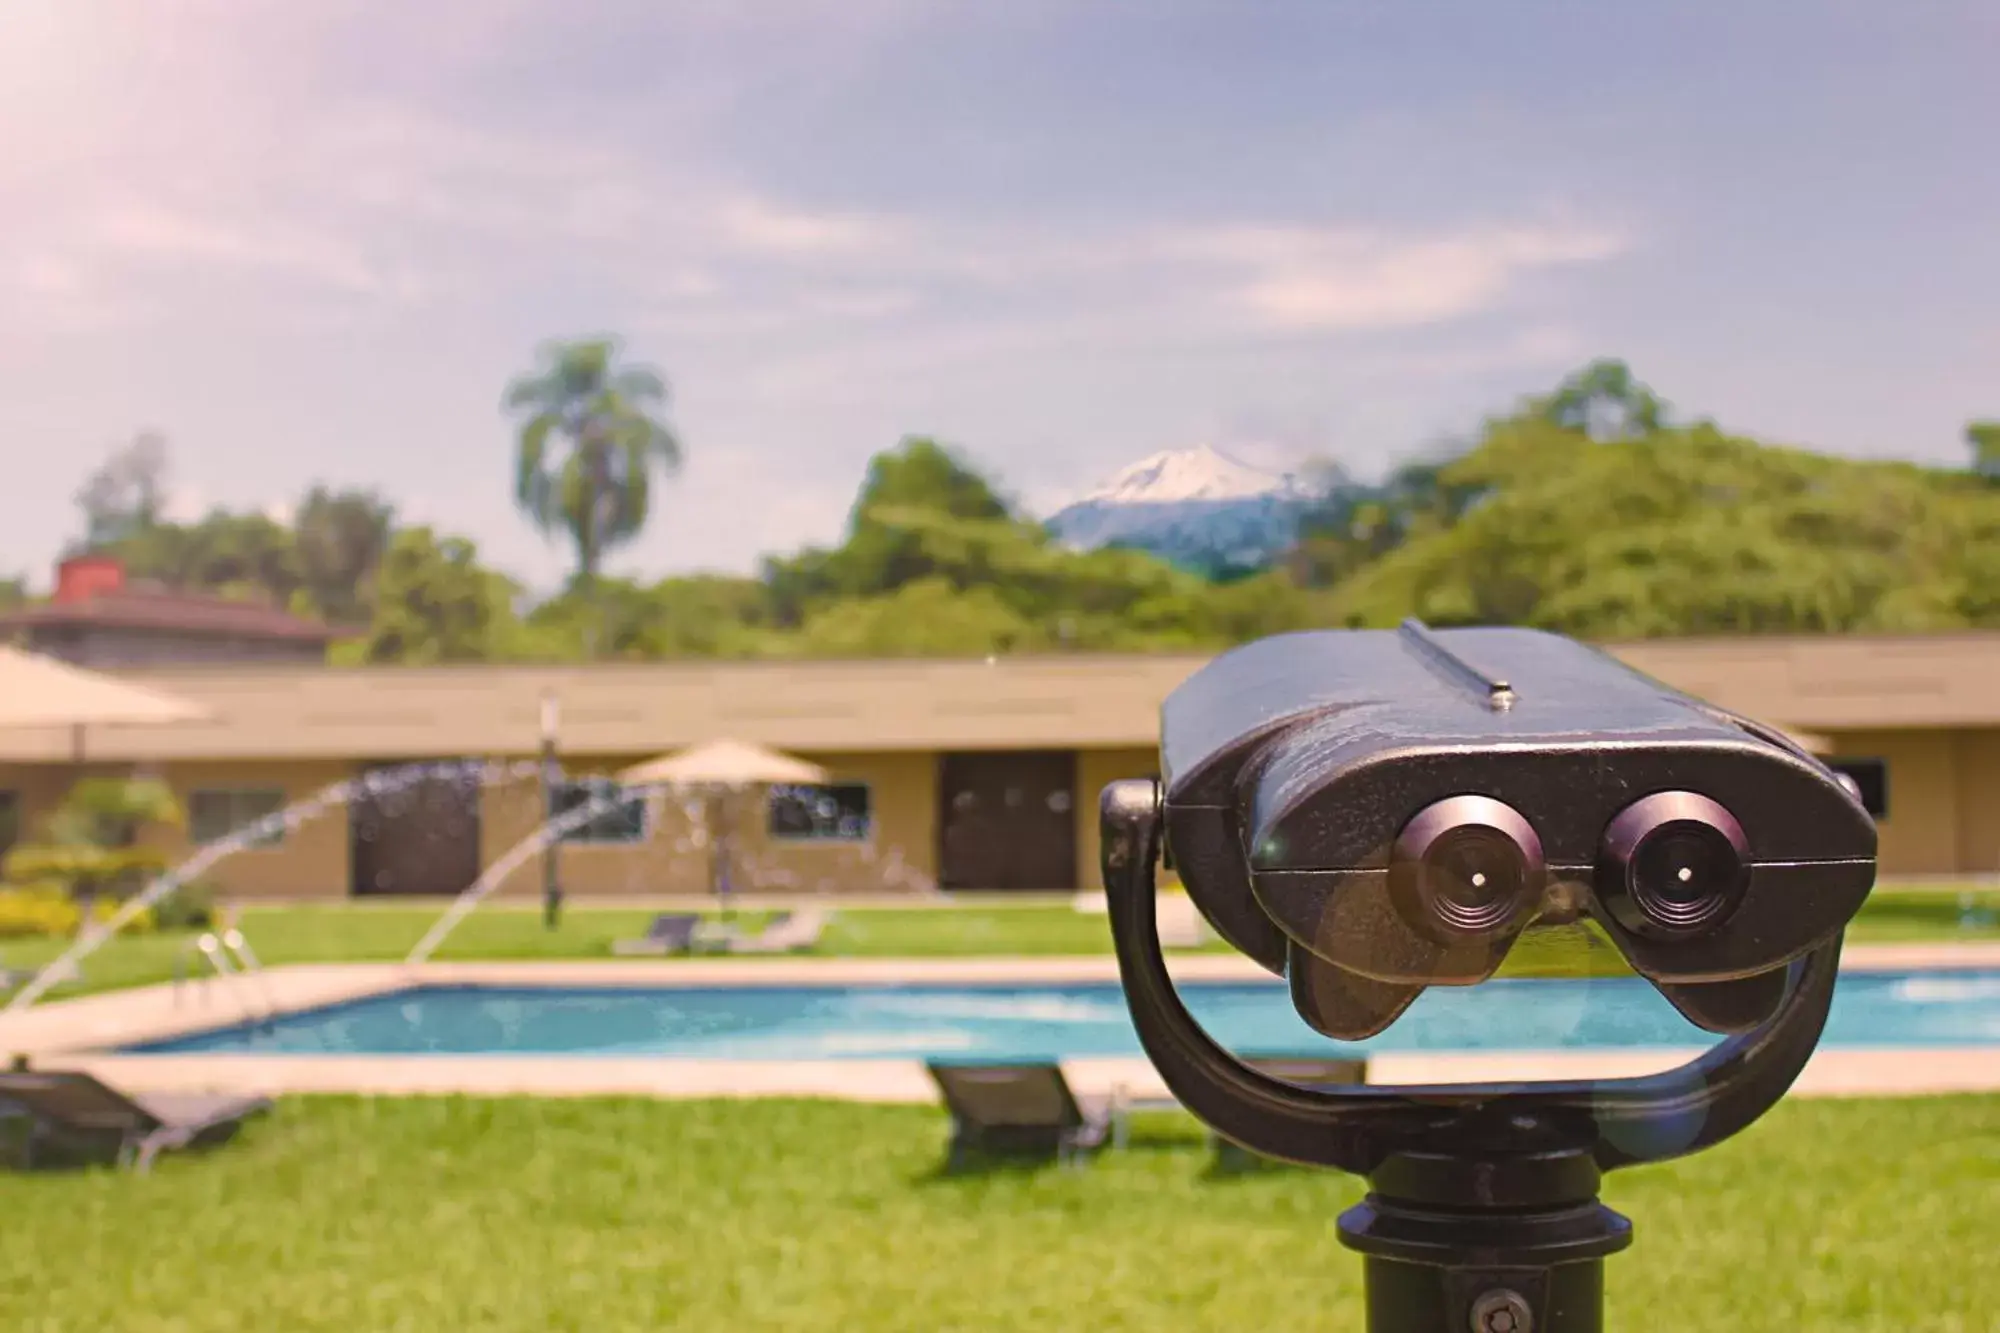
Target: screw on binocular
[(1502, 1311)]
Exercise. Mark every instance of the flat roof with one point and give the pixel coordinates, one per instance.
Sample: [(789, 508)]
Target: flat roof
[(183, 615), (1077, 701)]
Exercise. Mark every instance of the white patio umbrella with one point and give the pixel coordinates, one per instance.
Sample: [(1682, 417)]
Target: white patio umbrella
[(724, 764), (37, 691), (716, 769)]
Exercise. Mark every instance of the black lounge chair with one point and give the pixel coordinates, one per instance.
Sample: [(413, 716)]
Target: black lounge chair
[(671, 932), (1018, 1110), (71, 1115)]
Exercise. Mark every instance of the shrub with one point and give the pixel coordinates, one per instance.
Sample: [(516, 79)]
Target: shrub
[(190, 907), (36, 909), (142, 923), (45, 909)]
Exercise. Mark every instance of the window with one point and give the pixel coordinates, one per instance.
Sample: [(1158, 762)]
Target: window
[(623, 822), (10, 820), (834, 813), (216, 813), (1872, 777)]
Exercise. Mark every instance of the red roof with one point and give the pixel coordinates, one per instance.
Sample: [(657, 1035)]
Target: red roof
[(174, 612)]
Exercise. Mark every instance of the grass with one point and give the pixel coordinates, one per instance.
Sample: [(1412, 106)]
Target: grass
[(337, 933), (427, 1214)]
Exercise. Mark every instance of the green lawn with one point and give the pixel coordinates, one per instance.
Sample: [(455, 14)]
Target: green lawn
[(357, 1216), (348, 934)]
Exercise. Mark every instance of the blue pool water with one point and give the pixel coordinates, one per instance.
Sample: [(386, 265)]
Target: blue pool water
[(1047, 1022)]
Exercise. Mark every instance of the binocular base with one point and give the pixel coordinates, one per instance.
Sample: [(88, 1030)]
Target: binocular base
[(1485, 1246)]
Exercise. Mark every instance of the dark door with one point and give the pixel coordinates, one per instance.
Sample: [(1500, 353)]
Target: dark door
[(419, 834), (1007, 820)]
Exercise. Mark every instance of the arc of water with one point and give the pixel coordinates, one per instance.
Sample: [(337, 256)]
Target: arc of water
[(495, 875), (379, 783)]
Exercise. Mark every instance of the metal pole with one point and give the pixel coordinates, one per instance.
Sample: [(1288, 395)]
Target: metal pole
[(551, 777)]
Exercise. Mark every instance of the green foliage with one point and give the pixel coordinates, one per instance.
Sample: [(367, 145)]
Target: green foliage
[(589, 442), (1690, 532), (1984, 439), (188, 907), (699, 616), (90, 847), (435, 603), (44, 908), (341, 538), (1605, 402), (921, 473), (248, 556), (322, 564)]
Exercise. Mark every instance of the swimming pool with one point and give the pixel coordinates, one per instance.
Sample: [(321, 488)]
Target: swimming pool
[(1876, 1009)]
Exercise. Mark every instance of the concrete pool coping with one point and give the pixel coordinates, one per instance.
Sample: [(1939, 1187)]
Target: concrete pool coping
[(76, 1033)]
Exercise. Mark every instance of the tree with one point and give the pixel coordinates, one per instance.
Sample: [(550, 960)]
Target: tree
[(90, 845), (905, 489), (1984, 439), (243, 555), (921, 473), (126, 494), (1690, 531), (434, 603), (588, 445), (1605, 402), (341, 538)]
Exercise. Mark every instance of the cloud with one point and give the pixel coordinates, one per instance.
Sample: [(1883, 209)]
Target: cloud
[(1339, 279)]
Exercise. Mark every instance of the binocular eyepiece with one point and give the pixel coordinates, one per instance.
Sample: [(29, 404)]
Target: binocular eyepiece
[(1671, 865), (1369, 813)]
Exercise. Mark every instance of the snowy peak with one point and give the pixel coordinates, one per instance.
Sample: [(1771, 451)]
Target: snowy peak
[(1181, 475), (1194, 507)]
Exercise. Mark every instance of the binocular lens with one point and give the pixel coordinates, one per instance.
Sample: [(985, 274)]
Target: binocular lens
[(1673, 864), (1468, 865), (1473, 876)]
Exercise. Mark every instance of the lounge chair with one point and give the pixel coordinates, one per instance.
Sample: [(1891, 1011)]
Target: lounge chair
[(670, 932), (1018, 1110), (76, 1116), (785, 932)]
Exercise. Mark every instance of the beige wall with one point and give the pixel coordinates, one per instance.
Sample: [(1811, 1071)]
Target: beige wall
[(900, 856), (309, 863), (1921, 834), (1978, 763)]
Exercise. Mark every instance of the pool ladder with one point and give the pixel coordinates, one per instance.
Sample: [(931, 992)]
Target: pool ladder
[(229, 958)]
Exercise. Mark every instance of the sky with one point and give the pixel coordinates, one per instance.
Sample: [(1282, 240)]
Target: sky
[(311, 242)]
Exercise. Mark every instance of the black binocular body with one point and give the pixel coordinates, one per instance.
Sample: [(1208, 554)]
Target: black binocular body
[(1373, 812)]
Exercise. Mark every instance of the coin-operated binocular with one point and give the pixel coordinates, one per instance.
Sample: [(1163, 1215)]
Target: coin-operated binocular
[(1371, 813)]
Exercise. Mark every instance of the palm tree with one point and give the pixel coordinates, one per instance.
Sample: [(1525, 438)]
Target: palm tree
[(595, 484)]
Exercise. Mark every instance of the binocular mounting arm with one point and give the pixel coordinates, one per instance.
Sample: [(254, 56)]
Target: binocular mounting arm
[(1597, 1125)]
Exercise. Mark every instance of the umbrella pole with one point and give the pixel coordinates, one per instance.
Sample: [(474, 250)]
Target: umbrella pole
[(76, 743)]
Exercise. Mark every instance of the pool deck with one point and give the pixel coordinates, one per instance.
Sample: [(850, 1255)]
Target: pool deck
[(71, 1033)]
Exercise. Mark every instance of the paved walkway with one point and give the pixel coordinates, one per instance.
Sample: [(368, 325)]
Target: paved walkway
[(68, 1033)]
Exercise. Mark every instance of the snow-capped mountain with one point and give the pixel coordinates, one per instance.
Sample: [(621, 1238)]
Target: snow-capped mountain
[(1195, 507)]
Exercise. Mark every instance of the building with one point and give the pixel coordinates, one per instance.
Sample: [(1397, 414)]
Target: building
[(99, 618), (972, 775)]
